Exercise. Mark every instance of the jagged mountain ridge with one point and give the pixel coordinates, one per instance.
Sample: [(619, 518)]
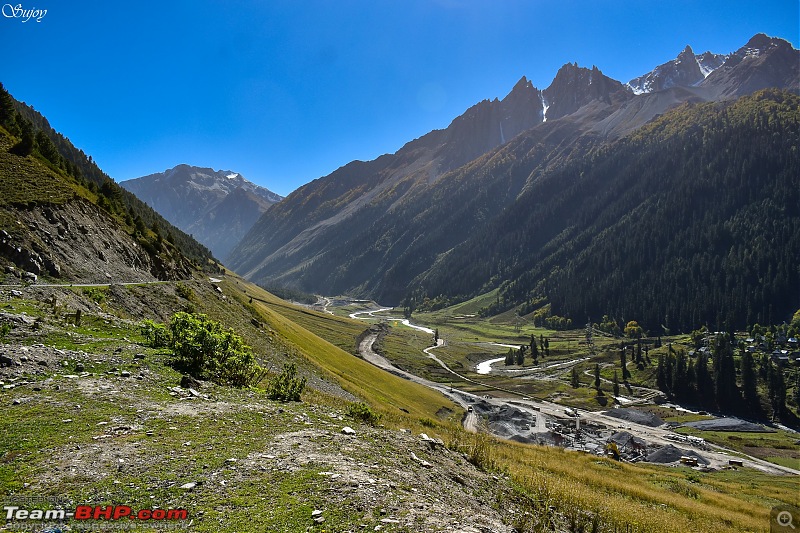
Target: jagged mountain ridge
[(687, 70), (356, 232), (327, 215), (217, 207)]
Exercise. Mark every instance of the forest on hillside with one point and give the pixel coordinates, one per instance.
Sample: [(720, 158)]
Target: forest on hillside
[(35, 137), (694, 219)]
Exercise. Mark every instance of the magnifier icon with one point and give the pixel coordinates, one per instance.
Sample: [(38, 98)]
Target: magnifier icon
[(784, 519)]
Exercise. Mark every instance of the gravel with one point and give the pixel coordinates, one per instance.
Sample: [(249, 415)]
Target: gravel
[(637, 417), (728, 424), (672, 454)]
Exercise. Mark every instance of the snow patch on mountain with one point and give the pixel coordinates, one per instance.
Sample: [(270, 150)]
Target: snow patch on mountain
[(545, 105), (687, 70)]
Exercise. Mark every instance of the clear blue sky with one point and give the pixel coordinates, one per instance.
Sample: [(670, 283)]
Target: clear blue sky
[(287, 91)]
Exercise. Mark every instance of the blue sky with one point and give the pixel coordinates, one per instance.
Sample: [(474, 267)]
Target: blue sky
[(287, 91)]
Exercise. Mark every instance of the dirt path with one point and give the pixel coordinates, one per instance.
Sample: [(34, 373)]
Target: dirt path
[(541, 409), (365, 349)]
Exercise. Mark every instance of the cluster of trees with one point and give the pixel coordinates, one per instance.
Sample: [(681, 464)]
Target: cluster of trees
[(694, 219), (723, 379), (37, 138), (537, 350)]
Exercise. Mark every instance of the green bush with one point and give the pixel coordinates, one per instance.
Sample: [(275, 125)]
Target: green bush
[(156, 335), (5, 329), (286, 387), (362, 412), (427, 422), (184, 291), (96, 294), (204, 349)]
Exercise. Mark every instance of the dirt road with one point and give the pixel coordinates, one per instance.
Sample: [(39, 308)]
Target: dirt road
[(541, 411)]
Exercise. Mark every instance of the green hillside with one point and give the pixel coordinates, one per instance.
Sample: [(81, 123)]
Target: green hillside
[(33, 136), (694, 219)]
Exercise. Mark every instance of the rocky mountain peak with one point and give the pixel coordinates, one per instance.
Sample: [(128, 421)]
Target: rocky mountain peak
[(216, 206), (683, 71), (763, 62), (523, 86), (574, 87), (761, 41)]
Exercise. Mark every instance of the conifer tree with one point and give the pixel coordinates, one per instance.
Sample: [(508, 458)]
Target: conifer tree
[(749, 389), (575, 379)]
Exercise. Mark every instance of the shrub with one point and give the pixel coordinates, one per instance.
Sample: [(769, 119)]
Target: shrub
[(286, 387), (96, 294), (184, 291), (427, 422), (362, 412), (156, 335), (5, 329), (204, 349)]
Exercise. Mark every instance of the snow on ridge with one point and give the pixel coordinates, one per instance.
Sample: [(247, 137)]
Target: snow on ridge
[(233, 175), (545, 106)]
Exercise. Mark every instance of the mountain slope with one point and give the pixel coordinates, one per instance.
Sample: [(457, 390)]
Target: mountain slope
[(59, 154), (216, 207), (374, 222), (695, 218), (322, 216), (383, 228), (56, 224)]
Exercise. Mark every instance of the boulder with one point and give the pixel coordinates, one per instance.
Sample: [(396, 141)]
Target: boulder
[(188, 382)]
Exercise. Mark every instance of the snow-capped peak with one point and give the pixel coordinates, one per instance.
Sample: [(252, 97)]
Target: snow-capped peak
[(686, 70), (232, 176)]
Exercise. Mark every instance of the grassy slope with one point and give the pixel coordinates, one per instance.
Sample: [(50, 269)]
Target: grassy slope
[(550, 482), (648, 497), (381, 389)]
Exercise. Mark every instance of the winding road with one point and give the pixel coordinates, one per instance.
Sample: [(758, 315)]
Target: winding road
[(540, 410)]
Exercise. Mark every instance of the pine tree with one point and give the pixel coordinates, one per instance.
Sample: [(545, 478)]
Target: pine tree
[(623, 363), (27, 142), (639, 360), (7, 111), (704, 382), (616, 384), (661, 374), (725, 392), (777, 392), (575, 379), (679, 375), (749, 389)]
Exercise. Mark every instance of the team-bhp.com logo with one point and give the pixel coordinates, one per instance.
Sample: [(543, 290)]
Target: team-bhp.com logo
[(94, 512)]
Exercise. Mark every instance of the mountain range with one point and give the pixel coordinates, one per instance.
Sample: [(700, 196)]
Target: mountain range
[(394, 228), (217, 207)]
